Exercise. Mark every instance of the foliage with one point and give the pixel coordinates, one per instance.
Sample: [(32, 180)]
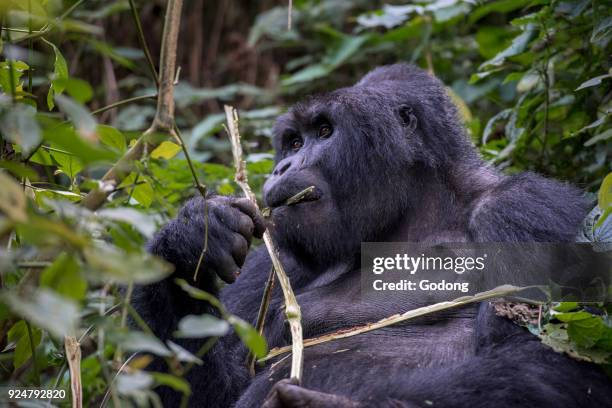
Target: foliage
[(532, 80)]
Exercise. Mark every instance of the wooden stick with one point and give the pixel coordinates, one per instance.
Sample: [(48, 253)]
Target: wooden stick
[(73, 356), (292, 308), (500, 291)]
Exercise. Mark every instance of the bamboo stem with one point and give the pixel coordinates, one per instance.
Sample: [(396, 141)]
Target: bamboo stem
[(292, 308), (500, 291)]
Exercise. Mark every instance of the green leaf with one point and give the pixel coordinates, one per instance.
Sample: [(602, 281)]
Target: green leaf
[(133, 383), (18, 124), (600, 137), (593, 81), (166, 150), (604, 197), (573, 316), (111, 137), (249, 336), (81, 118), (585, 332), (47, 310), (566, 307), (19, 335), (176, 383), (64, 276), (5, 75), (107, 262), (518, 46), (141, 342), (192, 326), (60, 72), (79, 89), (65, 138), (67, 163)]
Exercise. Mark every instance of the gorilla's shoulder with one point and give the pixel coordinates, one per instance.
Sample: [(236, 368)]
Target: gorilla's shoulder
[(528, 207)]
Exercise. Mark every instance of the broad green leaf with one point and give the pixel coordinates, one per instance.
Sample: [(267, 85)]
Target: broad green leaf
[(5, 75), (111, 137), (81, 118), (107, 262), (77, 88), (518, 46), (133, 383), (586, 332), (249, 336), (192, 326), (166, 150), (174, 382), (64, 137), (60, 72), (12, 199), (64, 276), (67, 163), (141, 342), (20, 335), (604, 197), (18, 124), (47, 310)]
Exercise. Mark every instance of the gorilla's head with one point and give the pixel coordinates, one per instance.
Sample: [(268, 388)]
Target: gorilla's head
[(365, 148)]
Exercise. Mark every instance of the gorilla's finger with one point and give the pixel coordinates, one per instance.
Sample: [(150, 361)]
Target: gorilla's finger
[(240, 248), (225, 267), (246, 206), (236, 221)]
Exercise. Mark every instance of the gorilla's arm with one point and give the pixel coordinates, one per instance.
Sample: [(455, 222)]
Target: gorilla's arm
[(231, 224)]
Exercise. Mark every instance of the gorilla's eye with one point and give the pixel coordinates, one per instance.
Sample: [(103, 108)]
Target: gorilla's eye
[(296, 143), (325, 131)]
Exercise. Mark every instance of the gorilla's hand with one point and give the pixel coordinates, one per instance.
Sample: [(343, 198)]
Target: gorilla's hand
[(232, 223), (287, 394)]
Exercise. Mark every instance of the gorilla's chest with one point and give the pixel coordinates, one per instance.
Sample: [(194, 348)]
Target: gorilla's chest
[(434, 340)]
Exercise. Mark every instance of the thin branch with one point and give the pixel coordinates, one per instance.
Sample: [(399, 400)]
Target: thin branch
[(500, 291), (123, 102), (143, 42), (261, 316), (164, 115), (292, 308), (289, 10)]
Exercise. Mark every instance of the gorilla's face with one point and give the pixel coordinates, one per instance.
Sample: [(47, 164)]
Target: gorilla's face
[(368, 150), (348, 145)]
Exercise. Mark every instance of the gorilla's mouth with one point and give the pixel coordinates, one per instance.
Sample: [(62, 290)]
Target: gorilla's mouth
[(290, 197)]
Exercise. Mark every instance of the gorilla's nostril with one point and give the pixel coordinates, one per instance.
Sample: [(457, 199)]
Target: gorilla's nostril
[(282, 168)]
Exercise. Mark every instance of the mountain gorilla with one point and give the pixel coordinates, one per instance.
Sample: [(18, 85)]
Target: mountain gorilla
[(389, 162)]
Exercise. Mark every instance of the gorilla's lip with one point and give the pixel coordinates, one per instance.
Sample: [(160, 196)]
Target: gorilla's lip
[(280, 200)]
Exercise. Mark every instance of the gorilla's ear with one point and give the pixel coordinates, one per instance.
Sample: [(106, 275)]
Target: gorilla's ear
[(408, 118)]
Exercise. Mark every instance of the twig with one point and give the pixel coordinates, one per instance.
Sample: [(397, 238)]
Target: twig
[(73, 355), (289, 10), (143, 42), (164, 115), (500, 291), (292, 308), (261, 316)]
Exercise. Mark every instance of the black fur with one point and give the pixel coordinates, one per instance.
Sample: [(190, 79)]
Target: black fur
[(382, 175)]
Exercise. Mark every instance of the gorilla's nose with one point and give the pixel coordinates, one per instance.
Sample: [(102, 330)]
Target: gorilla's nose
[(281, 168)]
